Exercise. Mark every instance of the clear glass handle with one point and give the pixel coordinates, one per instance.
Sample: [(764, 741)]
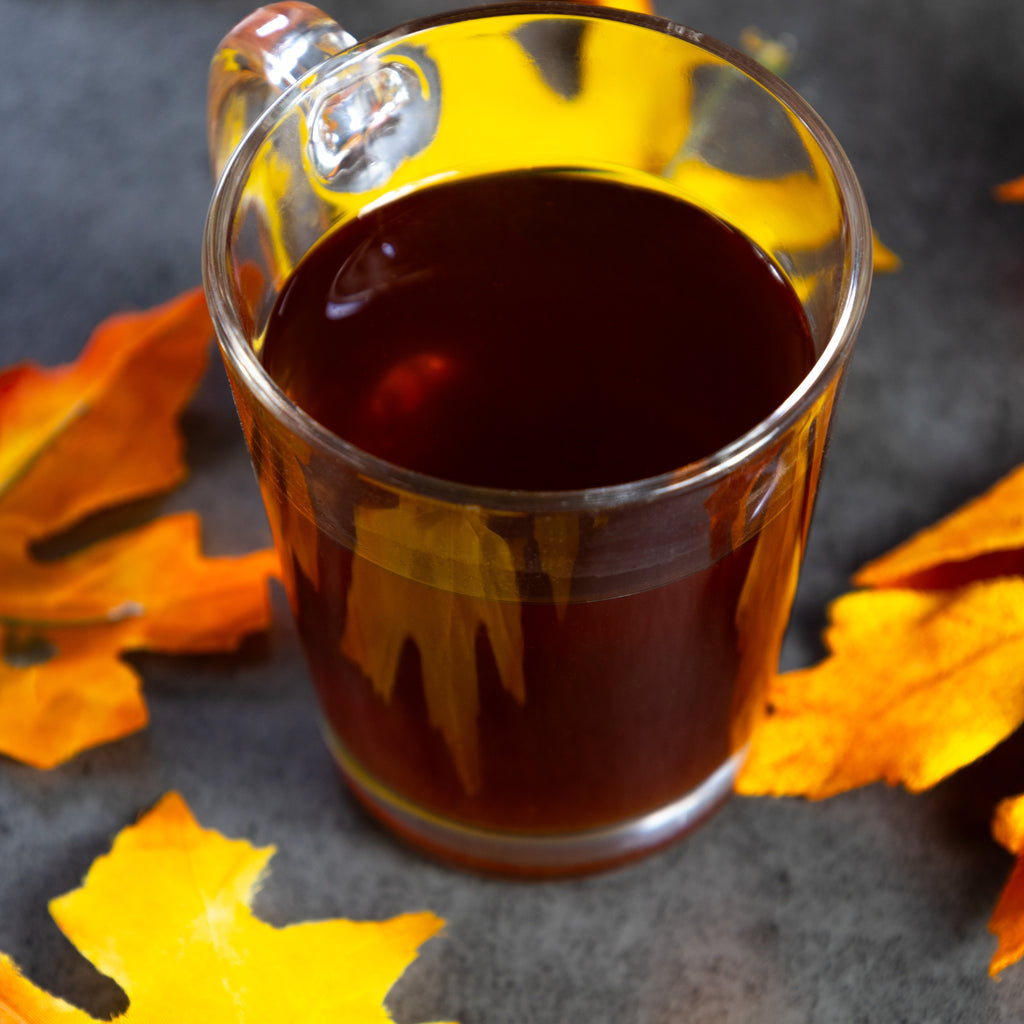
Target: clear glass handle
[(257, 60)]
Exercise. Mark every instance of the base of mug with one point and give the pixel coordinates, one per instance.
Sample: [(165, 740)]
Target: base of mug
[(531, 855)]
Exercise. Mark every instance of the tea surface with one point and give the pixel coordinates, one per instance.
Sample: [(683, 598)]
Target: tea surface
[(537, 331)]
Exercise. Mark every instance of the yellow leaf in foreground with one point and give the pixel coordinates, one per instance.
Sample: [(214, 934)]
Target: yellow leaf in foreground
[(166, 914), (918, 684)]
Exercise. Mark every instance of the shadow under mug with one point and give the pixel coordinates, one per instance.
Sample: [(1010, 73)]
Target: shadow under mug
[(551, 682)]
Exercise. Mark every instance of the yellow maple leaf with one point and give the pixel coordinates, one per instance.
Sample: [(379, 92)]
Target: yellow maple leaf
[(777, 55), (166, 914), (884, 260), (640, 6)]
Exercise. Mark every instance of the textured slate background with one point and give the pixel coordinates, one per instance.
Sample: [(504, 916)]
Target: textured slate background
[(869, 907)]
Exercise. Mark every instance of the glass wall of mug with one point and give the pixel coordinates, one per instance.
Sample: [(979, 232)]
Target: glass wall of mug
[(538, 681)]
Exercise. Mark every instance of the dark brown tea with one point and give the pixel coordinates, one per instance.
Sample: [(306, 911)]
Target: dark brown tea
[(538, 332), (532, 331)]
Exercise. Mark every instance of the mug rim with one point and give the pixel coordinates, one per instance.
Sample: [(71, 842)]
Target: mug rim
[(229, 329)]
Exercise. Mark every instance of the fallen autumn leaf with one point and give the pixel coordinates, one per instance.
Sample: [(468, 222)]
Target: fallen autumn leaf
[(76, 439), (1007, 921), (166, 914), (925, 675)]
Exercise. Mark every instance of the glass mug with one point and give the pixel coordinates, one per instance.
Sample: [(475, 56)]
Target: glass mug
[(532, 682)]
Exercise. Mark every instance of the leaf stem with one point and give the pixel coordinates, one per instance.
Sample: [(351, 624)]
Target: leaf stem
[(123, 611)]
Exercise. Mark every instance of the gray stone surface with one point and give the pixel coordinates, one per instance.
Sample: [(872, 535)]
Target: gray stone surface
[(869, 907)]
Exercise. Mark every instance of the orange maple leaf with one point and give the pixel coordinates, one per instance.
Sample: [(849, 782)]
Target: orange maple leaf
[(926, 672), (73, 440), (1007, 920), (917, 685), (166, 914), (1010, 191), (925, 675), (983, 538)]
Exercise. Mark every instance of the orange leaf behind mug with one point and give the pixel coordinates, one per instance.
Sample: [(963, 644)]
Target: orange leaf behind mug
[(640, 6), (103, 429)]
